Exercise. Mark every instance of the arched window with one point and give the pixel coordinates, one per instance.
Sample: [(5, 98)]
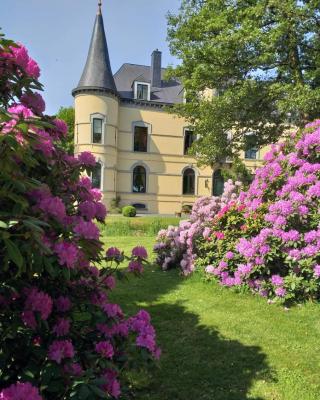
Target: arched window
[(139, 180), (189, 180), (141, 138), (217, 183), (96, 176)]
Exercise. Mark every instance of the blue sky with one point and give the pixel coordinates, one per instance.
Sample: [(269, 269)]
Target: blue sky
[(57, 34)]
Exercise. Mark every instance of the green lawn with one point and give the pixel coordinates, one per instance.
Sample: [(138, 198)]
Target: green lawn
[(116, 225), (220, 345)]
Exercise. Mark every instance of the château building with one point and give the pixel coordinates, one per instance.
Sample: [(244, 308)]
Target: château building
[(140, 148)]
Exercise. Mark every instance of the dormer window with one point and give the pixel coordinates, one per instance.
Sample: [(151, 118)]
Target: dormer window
[(142, 91)]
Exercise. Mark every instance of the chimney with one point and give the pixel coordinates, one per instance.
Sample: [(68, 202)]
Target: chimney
[(156, 69)]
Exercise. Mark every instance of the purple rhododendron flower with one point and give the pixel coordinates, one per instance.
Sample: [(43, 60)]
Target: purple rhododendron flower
[(280, 292), (113, 252), (67, 253), (87, 230), (88, 159), (34, 101), (59, 350), (140, 252), (62, 327), (62, 304), (20, 391), (135, 266), (105, 349), (277, 280), (112, 385)]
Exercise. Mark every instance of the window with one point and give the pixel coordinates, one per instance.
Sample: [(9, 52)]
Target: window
[(139, 206), (251, 151), (217, 183), (139, 180), (189, 138), (251, 154), (96, 176), (97, 128), (140, 138), (189, 179), (142, 91)]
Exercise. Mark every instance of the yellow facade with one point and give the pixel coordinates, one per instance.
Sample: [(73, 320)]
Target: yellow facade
[(164, 161)]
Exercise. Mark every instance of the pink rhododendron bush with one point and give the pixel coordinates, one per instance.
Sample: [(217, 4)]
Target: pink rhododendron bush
[(267, 239), (177, 246), (61, 338)]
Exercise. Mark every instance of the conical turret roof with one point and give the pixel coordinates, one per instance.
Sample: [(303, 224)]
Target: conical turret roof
[(97, 74)]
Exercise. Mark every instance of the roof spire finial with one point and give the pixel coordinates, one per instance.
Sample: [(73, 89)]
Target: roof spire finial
[(99, 5)]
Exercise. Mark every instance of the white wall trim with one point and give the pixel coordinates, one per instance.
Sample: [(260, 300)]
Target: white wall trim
[(136, 83)]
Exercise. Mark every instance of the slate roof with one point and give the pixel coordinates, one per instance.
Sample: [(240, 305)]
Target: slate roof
[(171, 92), (97, 73)]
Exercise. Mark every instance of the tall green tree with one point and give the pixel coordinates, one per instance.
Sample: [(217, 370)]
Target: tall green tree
[(68, 116), (262, 60)]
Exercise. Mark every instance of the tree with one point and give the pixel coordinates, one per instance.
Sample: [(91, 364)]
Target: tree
[(67, 115), (261, 58)]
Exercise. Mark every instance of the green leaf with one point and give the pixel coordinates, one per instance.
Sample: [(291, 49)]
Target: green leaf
[(3, 225), (14, 253), (100, 393)]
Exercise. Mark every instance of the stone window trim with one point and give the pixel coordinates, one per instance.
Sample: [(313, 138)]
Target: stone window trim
[(102, 165), (196, 176), (104, 124), (135, 90), (141, 124), (147, 171)]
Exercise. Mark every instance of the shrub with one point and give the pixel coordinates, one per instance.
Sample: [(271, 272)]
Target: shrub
[(176, 246), (268, 239), (129, 211), (271, 238), (60, 336)]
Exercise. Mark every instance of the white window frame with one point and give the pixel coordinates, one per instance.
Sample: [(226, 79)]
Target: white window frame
[(104, 124), (102, 174), (136, 83)]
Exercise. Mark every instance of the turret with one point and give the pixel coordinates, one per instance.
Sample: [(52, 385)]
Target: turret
[(97, 110)]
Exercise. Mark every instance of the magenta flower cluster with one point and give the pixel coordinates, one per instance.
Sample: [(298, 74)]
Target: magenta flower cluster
[(268, 238), (55, 279), (176, 245)]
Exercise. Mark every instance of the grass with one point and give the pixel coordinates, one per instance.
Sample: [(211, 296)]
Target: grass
[(221, 345), (138, 226)]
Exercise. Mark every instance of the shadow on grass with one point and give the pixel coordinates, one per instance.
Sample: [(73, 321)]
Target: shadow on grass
[(197, 362)]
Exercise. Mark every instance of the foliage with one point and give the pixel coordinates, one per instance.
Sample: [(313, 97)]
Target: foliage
[(67, 115), (129, 211), (268, 240), (115, 205), (176, 245), (60, 335), (260, 59)]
